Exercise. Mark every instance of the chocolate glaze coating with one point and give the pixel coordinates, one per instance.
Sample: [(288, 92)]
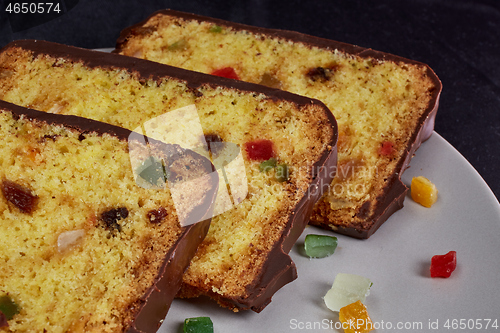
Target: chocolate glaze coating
[(153, 306), (395, 191), (279, 269), (149, 70), (80, 124)]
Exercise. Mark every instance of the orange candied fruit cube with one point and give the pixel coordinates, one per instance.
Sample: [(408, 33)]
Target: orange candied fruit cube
[(355, 318), (423, 191)]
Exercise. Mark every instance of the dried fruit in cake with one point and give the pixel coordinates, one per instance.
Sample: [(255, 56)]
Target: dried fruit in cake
[(69, 239), (268, 165), (8, 307), (227, 72), (19, 196), (259, 150), (385, 105)]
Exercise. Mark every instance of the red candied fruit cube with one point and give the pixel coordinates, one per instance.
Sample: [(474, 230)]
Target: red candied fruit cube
[(227, 72), (386, 149), (443, 265), (259, 150)]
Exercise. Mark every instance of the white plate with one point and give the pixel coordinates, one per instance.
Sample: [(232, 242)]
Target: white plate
[(466, 218)]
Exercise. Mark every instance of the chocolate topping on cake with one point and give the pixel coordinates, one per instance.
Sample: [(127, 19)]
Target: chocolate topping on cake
[(149, 70)]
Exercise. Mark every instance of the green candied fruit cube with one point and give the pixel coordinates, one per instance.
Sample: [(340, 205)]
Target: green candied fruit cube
[(267, 165), (320, 246), (282, 172), (180, 45), (215, 29), (198, 325), (8, 307)]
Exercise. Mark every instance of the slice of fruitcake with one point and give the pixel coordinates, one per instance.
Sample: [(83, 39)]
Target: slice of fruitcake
[(287, 145), (83, 247)]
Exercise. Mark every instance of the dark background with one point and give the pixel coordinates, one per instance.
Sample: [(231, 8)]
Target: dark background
[(459, 39)]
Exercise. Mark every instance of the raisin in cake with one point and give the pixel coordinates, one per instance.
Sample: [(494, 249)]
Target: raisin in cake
[(384, 105), (83, 247), (288, 144)]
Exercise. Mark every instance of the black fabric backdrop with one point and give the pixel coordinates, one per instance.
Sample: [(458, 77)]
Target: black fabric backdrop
[(459, 39)]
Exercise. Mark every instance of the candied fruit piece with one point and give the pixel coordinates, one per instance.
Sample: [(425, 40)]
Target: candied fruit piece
[(180, 45), (227, 72), (259, 150), (443, 265), (20, 196), (56, 108), (110, 218), (355, 318), (157, 215), (320, 246), (321, 74), (69, 239), (215, 29), (386, 149), (270, 81), (268, 164), (423, 191), (198, 325), (8, 307), (282, 172)]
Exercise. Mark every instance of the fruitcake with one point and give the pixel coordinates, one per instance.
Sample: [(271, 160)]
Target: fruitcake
[(287, 143)]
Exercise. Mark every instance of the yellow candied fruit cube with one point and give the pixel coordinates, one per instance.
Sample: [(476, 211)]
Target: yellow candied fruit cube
[(423, 191), (355, 318)]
